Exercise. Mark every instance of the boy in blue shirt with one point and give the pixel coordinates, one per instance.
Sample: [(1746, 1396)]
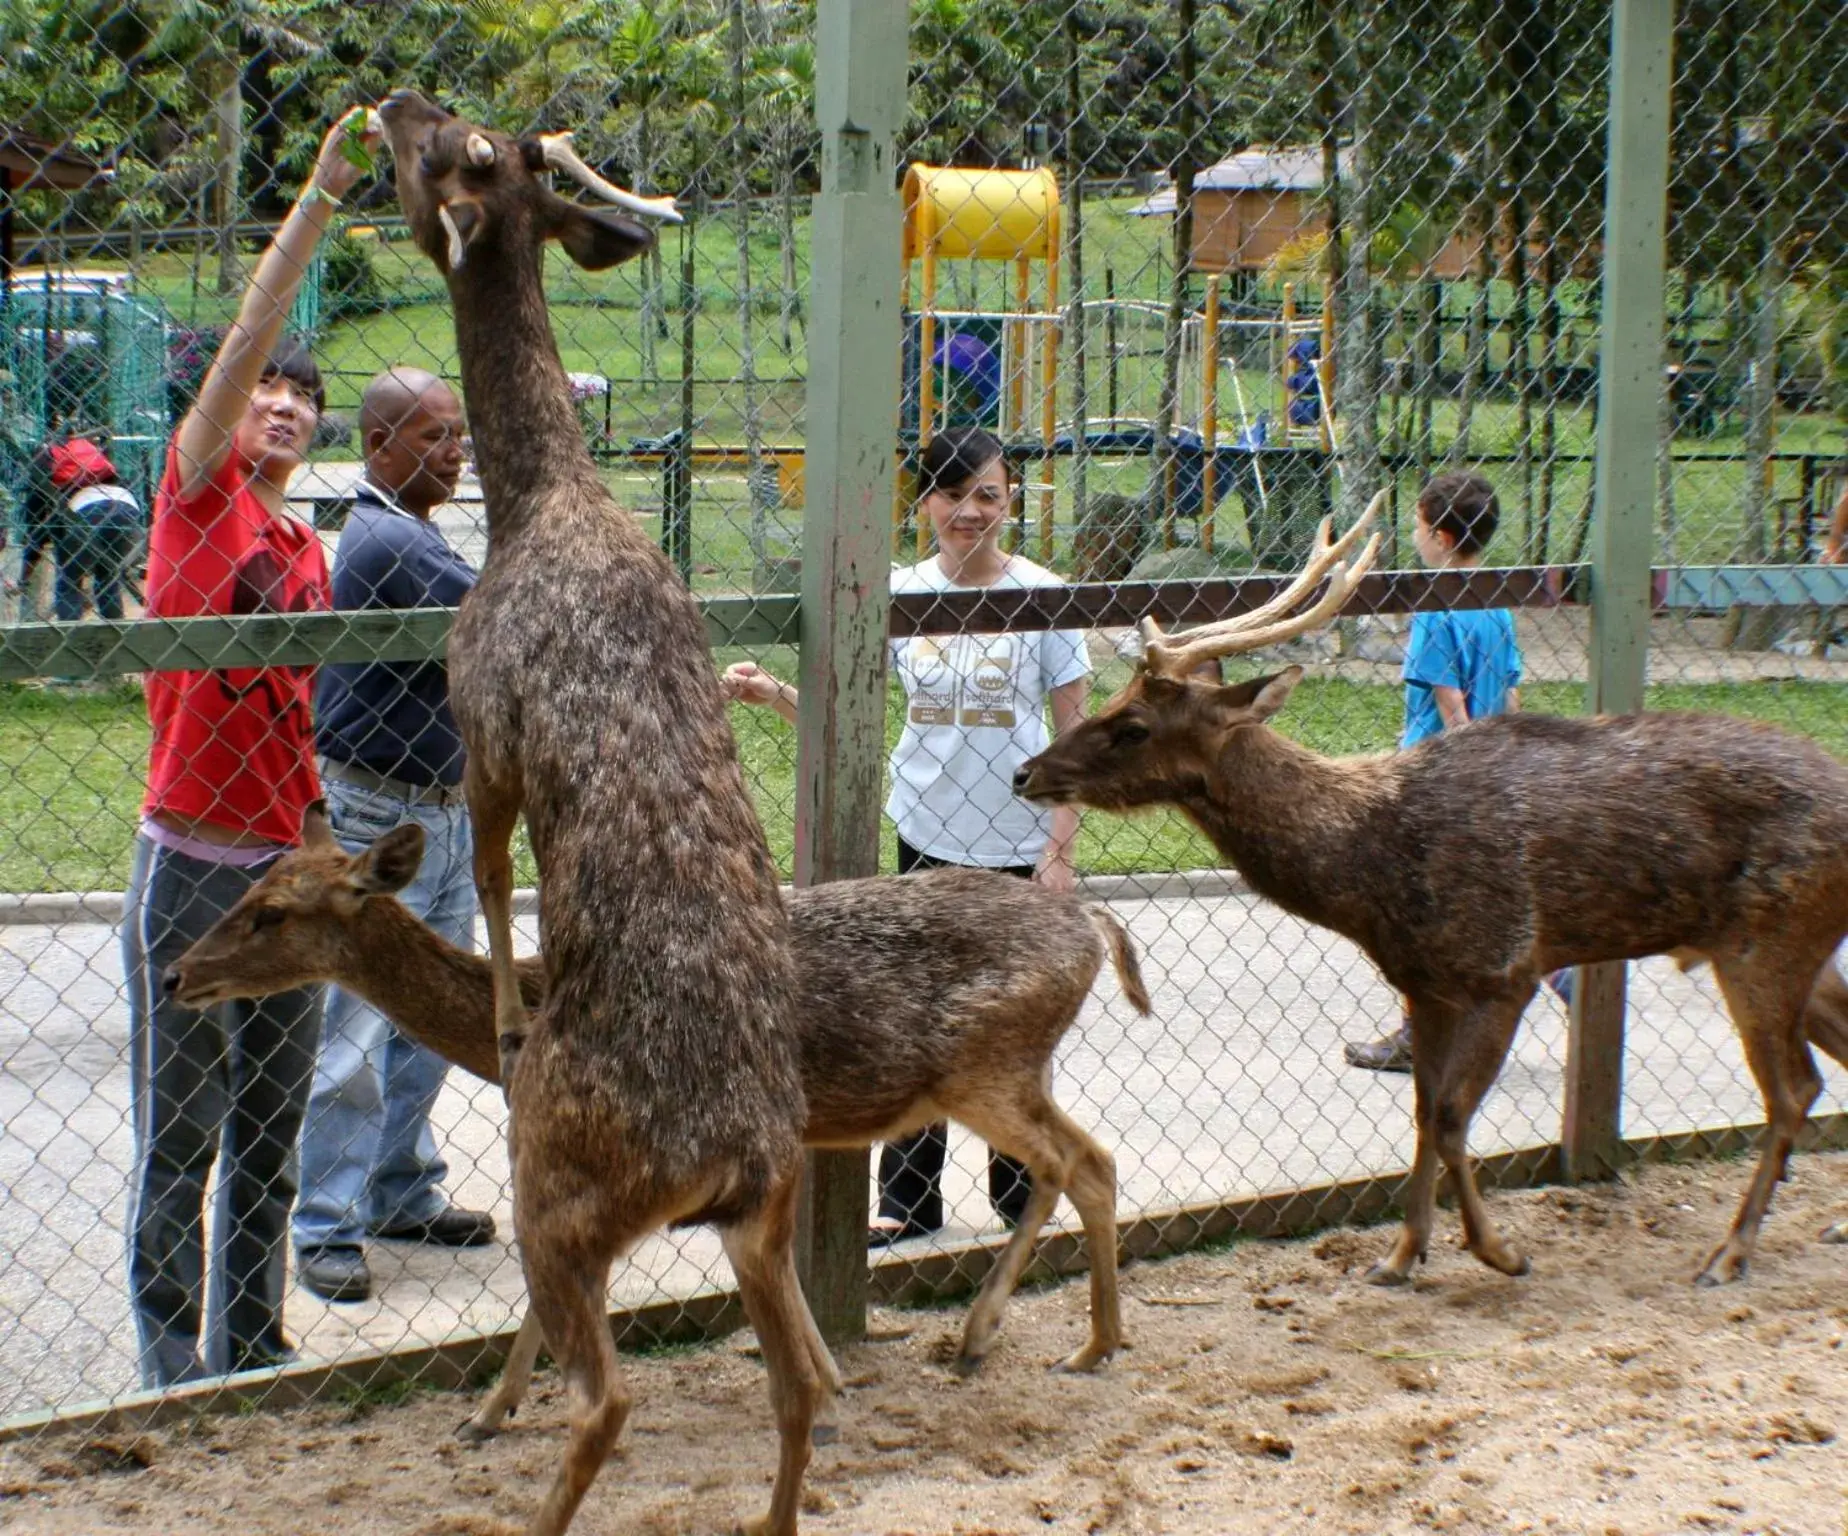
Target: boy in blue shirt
[(1459, 666)]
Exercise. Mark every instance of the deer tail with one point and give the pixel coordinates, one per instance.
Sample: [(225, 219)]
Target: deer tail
[(1122, 957)]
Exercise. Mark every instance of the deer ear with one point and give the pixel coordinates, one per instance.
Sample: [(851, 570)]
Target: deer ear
[(390, 864), (595, 238), (1259, 697), (317, 831)]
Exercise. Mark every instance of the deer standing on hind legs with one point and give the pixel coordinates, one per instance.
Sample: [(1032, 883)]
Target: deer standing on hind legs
[(1476, 862), (657, 1084)]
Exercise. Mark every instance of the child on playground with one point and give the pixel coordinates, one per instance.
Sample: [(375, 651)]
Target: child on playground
[(1460, 665)]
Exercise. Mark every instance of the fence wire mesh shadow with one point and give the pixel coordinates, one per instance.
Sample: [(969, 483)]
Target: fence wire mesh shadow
[(1204, 278)]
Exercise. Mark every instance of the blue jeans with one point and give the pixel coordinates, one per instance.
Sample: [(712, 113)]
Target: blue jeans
[(100, 548), (368, 1158), (218, 1090)]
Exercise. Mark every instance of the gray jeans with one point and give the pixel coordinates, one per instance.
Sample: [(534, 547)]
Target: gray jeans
[(223, 1086)]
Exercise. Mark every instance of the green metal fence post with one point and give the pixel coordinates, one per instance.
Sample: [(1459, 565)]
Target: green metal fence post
[(853, 343), (1629, 389)]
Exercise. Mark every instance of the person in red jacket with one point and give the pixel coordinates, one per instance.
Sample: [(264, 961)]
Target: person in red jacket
[(230, 772)]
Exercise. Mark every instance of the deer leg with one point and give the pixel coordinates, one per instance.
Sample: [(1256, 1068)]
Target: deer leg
[(1091, 1187), (567, 1289), (762, 1254), (1825, 1021), (826, 1428), (510, 1391), (1825, 1015), (1063, 1159), (1430, 1047), (494, 809), (1768, 1011), (1479, 1046)]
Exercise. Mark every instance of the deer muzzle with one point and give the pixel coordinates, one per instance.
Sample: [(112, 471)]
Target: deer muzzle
[(1030, 784)]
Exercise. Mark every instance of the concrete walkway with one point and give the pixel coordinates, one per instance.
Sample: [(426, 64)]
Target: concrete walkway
[(1234, 1087)]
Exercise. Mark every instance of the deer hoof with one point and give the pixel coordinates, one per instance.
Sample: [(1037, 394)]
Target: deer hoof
[(1838, 1233), (1722, 1269), (1083, 1363), (469, 1432), (1506, 1261), (967, 1365), (824, 1434), (1384, 1274)]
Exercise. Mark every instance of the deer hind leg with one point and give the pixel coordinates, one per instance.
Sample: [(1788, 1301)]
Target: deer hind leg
[(762, 1254), (826, 1428), (494, 810), (1431, 1029), (1063, 1159), (1767, 1001), (510, 1391), (567, 1286), (1825, 1021), (1479, 1046)]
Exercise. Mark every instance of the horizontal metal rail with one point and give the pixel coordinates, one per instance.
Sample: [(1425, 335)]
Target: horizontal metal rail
[(96, 649)]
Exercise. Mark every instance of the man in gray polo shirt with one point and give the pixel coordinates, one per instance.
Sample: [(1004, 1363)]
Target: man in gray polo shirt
[(390, 753)]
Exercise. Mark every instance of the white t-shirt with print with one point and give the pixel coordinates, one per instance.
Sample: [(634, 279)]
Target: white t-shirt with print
[(975, 710)]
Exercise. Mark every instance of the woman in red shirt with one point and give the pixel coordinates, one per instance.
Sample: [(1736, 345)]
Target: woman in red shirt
[(230, 772)]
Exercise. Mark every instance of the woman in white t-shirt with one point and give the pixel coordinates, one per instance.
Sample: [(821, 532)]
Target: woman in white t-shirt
[(975, 710)]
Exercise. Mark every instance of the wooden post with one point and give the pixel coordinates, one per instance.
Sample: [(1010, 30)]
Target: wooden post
[(1049, 388), (846, 563), (1629, 389), (1289, 395), (1110, 344), (1209, 411)]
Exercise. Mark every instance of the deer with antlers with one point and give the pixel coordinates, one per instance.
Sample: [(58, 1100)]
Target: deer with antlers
[(1478, 861), (927, 996), (658, 1082)]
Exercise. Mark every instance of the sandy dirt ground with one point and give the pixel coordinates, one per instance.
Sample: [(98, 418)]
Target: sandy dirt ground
[(1267, 1390)]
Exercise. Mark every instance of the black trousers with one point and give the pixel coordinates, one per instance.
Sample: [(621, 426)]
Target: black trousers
[(911, 1170)]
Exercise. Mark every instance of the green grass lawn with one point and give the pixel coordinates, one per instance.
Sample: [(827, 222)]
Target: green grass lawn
[(72, 766)]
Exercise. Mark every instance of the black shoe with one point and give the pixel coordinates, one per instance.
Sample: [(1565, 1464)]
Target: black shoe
[(452, 1227), (335, 1274), (264, 1355), (1389, 1053), (884, 1237)]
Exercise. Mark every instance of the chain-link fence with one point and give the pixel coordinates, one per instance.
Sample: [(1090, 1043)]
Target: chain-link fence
[(1201, 274)]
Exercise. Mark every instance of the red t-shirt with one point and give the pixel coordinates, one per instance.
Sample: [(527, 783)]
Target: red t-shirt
[(233, 747)]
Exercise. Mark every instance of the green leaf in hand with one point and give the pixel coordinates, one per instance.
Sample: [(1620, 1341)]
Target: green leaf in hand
[(353, 146)]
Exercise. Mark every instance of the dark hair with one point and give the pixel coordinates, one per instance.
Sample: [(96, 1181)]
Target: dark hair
[(292, 360), (1462, 505), (955, 457)]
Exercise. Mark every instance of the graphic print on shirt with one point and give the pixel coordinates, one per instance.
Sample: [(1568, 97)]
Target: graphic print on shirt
[(261, 584), (933, 696), (988, 693), (964, 679)]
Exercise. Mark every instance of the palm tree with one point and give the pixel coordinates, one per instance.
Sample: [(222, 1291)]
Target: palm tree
[(785, 71), (663, 66), (222, 39)]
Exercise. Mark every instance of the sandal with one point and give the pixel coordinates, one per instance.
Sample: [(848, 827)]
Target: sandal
[(883, 1231)]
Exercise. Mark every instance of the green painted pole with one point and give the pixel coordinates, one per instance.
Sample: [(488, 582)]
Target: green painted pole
[(1629, 389), (846, 543)]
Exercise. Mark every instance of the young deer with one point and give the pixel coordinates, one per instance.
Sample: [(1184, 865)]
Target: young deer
[(1475, 863), (931, 996), (657, 1084)]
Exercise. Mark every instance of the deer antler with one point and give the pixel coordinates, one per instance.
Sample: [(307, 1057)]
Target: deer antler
[(560, 156), (1270, 624)]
